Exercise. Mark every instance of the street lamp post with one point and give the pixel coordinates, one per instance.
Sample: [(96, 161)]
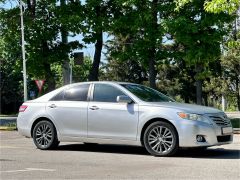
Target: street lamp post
[(23, 53)]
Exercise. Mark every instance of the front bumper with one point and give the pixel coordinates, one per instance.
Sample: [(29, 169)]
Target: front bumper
[(188, 131)]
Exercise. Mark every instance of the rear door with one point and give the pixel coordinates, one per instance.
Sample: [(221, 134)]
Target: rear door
[(69, 110)]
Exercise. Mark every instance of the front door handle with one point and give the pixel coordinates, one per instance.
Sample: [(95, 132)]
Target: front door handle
[(94, 108), (52, 106)]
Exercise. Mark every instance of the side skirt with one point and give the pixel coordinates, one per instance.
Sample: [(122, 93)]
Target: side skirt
[(99, 140)]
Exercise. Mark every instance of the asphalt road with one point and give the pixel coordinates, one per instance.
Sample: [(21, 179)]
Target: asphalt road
[(21, 160)]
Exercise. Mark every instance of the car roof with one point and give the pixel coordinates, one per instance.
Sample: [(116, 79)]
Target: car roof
[(100, 82)]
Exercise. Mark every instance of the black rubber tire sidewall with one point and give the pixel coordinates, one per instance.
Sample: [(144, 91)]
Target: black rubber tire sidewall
[(175, 138), (54, 141)]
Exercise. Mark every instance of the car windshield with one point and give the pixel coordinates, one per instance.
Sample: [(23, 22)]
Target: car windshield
[(147, 94)]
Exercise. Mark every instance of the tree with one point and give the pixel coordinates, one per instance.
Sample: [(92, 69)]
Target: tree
[(70, 18), (201, 34), (96, 23), (231, 67), (142, 23), (213, 6), (81, 72), (11, 93), (43, 22), (49, 21)]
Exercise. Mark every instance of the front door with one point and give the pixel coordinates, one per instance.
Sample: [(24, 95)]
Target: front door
[(109, 119)]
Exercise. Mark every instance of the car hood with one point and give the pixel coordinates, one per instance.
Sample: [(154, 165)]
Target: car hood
[(190, 108)]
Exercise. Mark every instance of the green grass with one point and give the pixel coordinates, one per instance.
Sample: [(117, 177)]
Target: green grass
[(9, 127), (235, 122), (8, 115)]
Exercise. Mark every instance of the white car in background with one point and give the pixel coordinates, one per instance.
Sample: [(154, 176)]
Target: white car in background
[(121, 113)]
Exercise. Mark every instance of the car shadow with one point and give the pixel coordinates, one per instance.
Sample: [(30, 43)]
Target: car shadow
[(210, 153), (103, 148)]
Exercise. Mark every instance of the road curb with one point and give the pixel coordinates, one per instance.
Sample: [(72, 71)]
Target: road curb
[(236, 130), (7, 128)]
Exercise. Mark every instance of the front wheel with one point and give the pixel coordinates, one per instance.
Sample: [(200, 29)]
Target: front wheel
[(45, 135), (160, 139)]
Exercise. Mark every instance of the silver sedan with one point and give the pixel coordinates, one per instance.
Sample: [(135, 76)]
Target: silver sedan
[(121, 113)]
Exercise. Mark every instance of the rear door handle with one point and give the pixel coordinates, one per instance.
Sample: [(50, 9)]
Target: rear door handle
[(52, 106), (94, 108)]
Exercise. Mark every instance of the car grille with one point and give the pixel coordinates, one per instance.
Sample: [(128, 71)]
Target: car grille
[(224, 138), (220, 120)]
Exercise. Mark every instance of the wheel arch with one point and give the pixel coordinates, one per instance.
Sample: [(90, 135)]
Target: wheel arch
[(152, 121), (41, 119)]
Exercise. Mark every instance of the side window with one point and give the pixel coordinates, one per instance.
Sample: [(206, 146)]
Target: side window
[(77, 93), (106, 93), (58, 97)]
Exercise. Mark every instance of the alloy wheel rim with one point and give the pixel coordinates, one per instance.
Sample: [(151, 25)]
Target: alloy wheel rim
[(160, 139), (44, 135)]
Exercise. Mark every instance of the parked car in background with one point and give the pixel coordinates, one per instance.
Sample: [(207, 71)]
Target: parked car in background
[(121, 113)]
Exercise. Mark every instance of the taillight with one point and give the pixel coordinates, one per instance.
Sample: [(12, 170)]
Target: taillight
[(22, 108)]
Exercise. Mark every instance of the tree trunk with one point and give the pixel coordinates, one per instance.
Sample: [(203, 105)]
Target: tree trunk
[(186, 99), (31, 4), (49, 78), (152, 73), (237, 79), (238, 93), (152, 50), (66, 65), (94, 72), (198, 83), (205, 99), (199, 91)]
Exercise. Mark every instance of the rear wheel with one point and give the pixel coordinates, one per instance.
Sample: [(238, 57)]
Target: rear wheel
[(160, 139), (45, 135)]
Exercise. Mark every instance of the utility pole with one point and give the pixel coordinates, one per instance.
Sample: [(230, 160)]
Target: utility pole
[(23, 53)]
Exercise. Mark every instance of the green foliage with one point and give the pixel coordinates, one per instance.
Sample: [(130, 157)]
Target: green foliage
[(218, 6), (235, 122), (10, 74), (199, 32), (230, 62), (176, 80), (81, 72), (43, 23), (42, 35), (172, 50), (214, 6)]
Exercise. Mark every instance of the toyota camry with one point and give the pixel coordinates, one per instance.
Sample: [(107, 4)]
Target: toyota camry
[(121, 113)]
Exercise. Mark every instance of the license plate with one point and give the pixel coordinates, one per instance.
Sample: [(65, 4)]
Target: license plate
[(227, 130)]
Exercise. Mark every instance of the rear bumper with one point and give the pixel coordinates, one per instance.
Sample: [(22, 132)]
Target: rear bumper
[(22, 126), (212, 134), (24, 132)]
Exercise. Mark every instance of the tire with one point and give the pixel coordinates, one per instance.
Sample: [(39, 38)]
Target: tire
[(161, 139), (45, 135)]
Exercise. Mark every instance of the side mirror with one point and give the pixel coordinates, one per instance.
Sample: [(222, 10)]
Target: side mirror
[(124, 99)]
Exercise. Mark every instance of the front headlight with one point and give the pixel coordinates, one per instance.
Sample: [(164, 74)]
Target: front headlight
[(194, 117)]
